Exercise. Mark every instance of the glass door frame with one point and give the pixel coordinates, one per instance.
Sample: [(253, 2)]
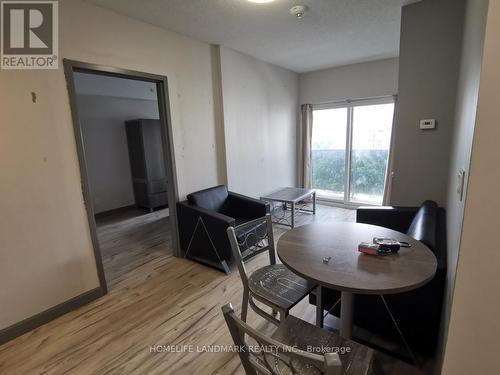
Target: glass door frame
[(350, 104)]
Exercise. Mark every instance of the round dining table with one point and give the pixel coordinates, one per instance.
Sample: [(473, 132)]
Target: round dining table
[(327, 254)]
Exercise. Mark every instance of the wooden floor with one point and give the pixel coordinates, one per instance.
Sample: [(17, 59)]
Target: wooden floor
[(132, 239), (165, 301)]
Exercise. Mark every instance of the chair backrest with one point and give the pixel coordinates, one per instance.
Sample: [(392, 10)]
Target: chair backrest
[(271, 357), (423, 226), (214, 198), (249, 239)]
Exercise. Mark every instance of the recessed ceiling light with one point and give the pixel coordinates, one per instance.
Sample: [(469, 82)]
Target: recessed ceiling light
[(261, 1)]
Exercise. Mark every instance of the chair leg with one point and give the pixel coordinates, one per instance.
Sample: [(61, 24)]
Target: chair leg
[(283, 315), (244, 305), (263, 313)]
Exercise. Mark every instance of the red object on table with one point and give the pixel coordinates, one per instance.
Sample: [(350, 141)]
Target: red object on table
[(370, 249)]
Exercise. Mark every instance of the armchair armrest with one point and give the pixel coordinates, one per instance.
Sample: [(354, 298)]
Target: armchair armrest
[(215, 223), (395, 218), (247, 207), (191, 209)]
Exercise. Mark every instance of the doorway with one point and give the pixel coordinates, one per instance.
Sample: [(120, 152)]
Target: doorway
[(124, 141)]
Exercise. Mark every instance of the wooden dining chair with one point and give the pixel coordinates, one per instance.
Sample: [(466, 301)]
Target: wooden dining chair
[(274, 285), (270, 357)]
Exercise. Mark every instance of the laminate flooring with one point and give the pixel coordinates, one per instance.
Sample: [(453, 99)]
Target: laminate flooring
[(155, 301)]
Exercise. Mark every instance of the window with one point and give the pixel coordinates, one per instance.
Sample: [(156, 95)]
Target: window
[(350, 150)]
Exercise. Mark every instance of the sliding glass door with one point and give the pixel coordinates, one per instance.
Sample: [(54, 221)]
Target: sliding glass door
[(329, 152), (350, 150)]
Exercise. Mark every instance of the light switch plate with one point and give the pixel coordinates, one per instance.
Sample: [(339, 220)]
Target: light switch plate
[(460, 184), (428, 124)]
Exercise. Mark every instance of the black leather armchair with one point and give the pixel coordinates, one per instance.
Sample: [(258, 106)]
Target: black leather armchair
[(417, 312), (203, 219)]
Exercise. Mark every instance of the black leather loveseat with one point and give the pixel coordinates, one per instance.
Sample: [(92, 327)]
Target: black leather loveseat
[(204, 218), (417, 312)]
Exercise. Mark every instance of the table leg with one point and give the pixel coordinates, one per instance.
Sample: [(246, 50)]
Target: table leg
[(319, 306), (293, 215), (314, 203), (346, 314)]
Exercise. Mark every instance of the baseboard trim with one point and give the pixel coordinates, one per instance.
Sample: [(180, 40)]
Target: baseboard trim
[(28, 324)]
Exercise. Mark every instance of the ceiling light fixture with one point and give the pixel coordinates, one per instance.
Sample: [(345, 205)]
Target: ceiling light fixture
[(298, 11), (261, 1)]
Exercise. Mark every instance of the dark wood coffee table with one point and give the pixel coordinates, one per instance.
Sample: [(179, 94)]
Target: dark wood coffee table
[(303, 250), (286, 202)]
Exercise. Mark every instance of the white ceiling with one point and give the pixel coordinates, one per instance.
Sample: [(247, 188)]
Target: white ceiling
[(333, 33)]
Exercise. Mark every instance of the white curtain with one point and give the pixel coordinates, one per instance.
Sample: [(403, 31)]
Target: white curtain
[(390, 162), (306, 120)]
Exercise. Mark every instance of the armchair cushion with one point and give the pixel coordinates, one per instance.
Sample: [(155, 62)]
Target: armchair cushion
[(214, 198), (395, 218), (244, 208)]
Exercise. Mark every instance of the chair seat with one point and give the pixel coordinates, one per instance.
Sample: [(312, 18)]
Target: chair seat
[(361, 360), (278, 285), (303, 335)]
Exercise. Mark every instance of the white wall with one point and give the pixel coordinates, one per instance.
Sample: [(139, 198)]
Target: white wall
[(473, 340), (357, 81), (260, 104), (103, 126), (465, 119), (45, 248), (429, 59)]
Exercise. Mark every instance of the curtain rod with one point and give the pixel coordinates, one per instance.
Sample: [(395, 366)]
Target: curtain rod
[(347, 101)]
